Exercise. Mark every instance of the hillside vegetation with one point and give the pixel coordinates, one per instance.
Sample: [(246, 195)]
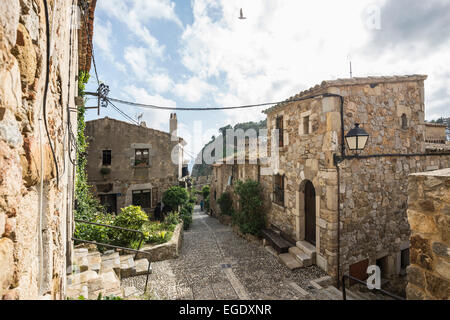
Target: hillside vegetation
[(205, 169)]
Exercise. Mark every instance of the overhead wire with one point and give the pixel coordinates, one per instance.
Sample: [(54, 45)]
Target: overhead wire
[(47, 81)]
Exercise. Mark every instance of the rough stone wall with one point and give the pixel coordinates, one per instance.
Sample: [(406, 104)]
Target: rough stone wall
[(122, 139), (435, 133), (374, 191), (428, 215), (26, 156), (306, 156)]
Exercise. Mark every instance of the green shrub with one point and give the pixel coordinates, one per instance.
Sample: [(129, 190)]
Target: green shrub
[(172, 219), (92, 232), (186, 216), (157, 232), (206, 190), (226, 204), (131, 217), (250, 218), (175, 196)]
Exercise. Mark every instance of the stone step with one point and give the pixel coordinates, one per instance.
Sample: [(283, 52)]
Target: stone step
[(127, 266), (271, 250), (129, 292), (354, 295), (337, 293), (324, 281), (331, 294), (108, 284), (94, 261), (276, 241), (307, 248), (110, 261), (289, 261), (80, 260), (141, 267), (78, 283), (304, 259)]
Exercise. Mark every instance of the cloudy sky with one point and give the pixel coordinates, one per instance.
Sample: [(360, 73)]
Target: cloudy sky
[(198, 53)]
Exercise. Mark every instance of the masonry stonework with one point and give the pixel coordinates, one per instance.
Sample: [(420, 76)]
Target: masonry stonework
[(428, 216), (35, 210), (124, 177)]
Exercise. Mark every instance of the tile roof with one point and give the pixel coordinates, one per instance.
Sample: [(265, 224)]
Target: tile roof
[(346, 82)]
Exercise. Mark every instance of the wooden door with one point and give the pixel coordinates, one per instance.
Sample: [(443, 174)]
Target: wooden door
[(310, 213)]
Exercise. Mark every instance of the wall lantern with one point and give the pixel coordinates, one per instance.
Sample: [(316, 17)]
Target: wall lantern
[(357, 138)]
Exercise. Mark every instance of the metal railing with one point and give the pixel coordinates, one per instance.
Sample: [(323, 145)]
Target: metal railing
[(344, 293), (137, 251)]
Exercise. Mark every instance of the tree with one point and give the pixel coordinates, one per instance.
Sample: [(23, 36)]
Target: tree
[(175, 196)]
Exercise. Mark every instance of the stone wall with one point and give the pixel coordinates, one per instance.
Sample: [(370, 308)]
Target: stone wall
[(35, 210), (428, 216), (435, 133), (122, 139)]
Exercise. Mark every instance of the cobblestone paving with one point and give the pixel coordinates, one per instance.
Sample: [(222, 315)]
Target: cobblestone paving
[(217, 264)]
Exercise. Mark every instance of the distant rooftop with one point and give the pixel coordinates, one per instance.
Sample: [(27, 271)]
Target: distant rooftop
[(132, 124), (347, 82)]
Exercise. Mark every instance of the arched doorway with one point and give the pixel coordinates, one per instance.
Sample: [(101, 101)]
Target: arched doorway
[(310, 213)]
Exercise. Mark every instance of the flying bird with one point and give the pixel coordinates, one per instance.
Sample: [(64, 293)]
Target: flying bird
[(242, 15)]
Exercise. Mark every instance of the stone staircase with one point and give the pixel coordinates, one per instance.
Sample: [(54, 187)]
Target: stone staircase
[(303, 254), (93, 273), (322, 289)]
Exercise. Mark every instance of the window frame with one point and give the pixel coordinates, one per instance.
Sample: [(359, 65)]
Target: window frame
[(141, 160), (278, 189), (105, 155), (279, 125), (306, 119), (141, 202)]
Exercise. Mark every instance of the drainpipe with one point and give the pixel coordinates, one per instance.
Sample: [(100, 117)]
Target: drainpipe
[(336, 163)]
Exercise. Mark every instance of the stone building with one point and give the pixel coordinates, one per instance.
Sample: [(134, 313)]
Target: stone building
[(310, 196), (36, 131), (428, 210), (130, 164)]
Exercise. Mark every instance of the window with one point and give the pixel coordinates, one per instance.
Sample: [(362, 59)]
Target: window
[(279, 127), (404, 122), (278, 189), (106, 157), (109, 201), (141, 158), (306, 125), (142, 198)]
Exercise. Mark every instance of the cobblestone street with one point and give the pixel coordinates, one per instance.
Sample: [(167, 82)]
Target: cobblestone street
[(216, 264)]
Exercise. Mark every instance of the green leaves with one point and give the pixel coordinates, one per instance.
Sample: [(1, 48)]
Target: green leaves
[(226, 204), (251, 217), (175, 196)]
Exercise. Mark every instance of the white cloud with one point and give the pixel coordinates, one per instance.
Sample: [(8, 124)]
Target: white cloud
[(138, 59), (160, 82), (136, 13), (285, 47), (103, 38), (193, 90), (157, 119)]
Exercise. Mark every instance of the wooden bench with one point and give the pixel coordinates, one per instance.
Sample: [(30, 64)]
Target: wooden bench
[(276, 241)]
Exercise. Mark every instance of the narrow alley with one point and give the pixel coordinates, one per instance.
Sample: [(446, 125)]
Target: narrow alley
[(216, 264)]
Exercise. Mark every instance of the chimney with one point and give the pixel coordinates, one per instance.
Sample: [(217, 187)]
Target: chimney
[(173, 127)]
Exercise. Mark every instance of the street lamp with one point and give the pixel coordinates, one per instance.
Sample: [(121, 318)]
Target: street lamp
[(357, 138)]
